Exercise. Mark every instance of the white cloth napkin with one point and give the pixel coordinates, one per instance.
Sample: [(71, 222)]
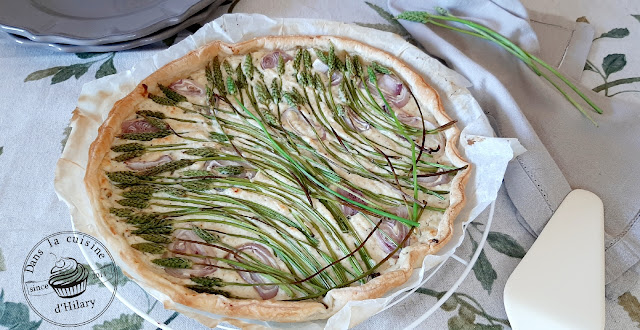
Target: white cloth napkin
[(565, 151)]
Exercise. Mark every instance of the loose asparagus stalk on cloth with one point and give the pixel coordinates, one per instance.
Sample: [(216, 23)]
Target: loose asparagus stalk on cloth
[(483, 32)]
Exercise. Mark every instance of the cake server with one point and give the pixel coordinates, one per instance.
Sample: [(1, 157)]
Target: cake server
[(559, 284)]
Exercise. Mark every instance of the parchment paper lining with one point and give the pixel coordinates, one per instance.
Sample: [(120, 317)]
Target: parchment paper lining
[(488, 154)]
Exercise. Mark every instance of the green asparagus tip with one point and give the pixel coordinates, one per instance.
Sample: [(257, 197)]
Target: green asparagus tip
[(442, 11), (415, 16)]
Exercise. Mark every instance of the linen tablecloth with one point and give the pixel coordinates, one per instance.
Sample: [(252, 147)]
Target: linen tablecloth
[(40, 88)]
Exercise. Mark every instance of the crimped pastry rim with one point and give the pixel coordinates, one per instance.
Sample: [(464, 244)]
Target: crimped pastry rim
[(280, 311)]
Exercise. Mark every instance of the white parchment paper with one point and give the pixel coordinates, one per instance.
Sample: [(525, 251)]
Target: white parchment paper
[(488, 154)]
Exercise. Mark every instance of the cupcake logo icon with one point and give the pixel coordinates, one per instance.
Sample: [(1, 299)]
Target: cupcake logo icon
[(69, 279)]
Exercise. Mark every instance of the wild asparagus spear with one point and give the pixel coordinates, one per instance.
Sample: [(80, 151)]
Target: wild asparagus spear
[(483, 32)]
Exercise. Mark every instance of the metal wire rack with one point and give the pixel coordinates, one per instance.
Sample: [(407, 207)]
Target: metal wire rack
[(463, 275)]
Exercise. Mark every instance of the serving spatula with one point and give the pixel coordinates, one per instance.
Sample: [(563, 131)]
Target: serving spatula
[(559, 284)]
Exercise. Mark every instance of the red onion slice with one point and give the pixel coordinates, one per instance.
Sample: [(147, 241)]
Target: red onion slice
[(181, 246), (401, 211), (270, 60), (436, 180), (187, 87), (143, 165), (395, 232), (336, 76), (138, 126), (394, 91), (389, 84), (409, 120), (401, 99), (264, 255), (372, 86), (195, 270), (353, 195), (300, 126), (354, 121)]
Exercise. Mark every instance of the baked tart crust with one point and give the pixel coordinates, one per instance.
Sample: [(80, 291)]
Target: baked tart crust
[(426, 239)]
